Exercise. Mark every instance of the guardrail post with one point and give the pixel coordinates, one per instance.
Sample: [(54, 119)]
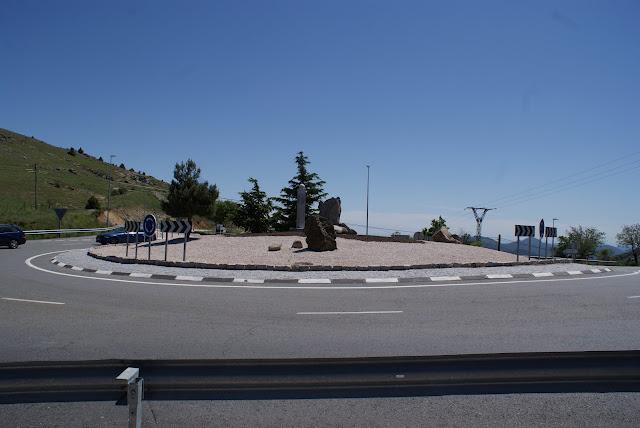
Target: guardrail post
[(499, 241), (135, 390)]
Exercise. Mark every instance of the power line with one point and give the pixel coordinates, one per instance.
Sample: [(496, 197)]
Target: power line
[(540, 188)]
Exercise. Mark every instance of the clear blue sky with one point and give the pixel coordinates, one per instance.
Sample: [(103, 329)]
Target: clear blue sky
[(452, 103)]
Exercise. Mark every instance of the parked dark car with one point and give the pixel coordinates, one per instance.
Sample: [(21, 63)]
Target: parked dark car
[(119, 235), (11, 236)]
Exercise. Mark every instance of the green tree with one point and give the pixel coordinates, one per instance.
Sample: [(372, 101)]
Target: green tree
[(255, 209), (187, 195), (630, 237), (436, 225), (285, 214), (92, 203), (604, 254), (585, 240), (225, 212)]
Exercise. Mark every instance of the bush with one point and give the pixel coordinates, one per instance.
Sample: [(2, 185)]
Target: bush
[(122, 166), (475, 243), (92, 203), (81, 151), (71, 151), (100, 159)]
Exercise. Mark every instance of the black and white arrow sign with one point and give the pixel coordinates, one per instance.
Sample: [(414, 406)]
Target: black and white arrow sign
[(175, 226), (525, 230), (131, 226)]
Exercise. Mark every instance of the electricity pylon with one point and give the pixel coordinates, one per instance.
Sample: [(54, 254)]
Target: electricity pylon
[(479, 218)]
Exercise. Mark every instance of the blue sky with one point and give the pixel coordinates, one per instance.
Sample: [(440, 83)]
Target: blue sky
[(451, 103)]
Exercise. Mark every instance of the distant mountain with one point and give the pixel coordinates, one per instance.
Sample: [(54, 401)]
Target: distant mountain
[(511, 247)]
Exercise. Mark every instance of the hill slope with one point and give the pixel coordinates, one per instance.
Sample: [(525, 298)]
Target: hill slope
[(66, 180)]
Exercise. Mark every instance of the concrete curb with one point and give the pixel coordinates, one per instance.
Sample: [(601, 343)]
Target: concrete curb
[(441, 279)]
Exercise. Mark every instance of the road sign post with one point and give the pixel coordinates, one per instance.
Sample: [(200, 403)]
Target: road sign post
[(131, 226), (149, 227), (60, 212), (541, 233), (177, 226), (521, 230)]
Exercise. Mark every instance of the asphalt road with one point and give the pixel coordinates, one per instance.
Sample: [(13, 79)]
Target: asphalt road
[(106, 318)]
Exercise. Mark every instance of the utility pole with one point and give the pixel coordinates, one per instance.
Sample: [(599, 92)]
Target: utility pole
[(367, 225), (479, 218), (109, 178), (35, 186)]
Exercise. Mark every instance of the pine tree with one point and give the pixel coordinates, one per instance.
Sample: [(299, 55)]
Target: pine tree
[(285, 215), (187, 195), (254, 211)]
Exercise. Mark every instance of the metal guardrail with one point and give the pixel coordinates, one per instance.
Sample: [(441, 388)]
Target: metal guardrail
[(599, 371), (66, 231)]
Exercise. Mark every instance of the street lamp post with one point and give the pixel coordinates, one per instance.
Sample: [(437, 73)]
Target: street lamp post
[(109, 192), (553, 240), (367, 224)]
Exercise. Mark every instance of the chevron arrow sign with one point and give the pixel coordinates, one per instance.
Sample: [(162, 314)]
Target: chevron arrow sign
[(175, 226)]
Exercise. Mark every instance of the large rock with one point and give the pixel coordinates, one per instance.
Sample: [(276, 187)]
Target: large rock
[(343, 229), (418, 236), (331, 210), (443, 235), (320, 234)]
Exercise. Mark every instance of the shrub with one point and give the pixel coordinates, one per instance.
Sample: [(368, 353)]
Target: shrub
[(81, 151), (100, 159), (92, 203), (71, 151), (122, 166)]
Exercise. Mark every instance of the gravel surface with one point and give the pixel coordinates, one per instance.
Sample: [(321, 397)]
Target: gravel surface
[(80, 258), (253, 250)]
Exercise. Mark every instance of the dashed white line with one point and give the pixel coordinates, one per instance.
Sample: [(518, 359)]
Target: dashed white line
[(596, 270), (314, 281), (633, 297), (188, 278), (103, 272), (348, 313), (76, 268), (542, 274), (575, 272), (31, 301), (249, 281), (499, 276), (445, 278), (379, 280), (140, 275)]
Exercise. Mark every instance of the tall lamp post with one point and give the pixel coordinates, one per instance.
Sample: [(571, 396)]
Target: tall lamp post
[(367, 224), (553, 240), (109, 192)]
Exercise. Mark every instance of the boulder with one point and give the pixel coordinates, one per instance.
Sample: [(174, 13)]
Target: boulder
[(443, 235), (347, 229), (320, 234), (275, 247), (296, 244), (331, 210), (418, 236)]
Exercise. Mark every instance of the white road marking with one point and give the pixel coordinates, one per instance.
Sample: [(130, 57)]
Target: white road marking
[(596, 270), (633, 297), (314, 281), (348, 313), (188, 278), (525, 282), (61, 264), (607, 269), (500, 276), (542, 274), (31, 301), (103, 272), (379, 280), (445, 278), (575, 272), (140, 275), (249, 281), (76, 268)]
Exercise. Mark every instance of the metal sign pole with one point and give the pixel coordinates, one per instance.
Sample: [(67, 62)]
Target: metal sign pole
[(166, 245), (184, 249), (553, 253), (127, 250), (499, 240), (546, 242), (136, 256), (539, 249), (529, 247), (518, 250), (149, 246)]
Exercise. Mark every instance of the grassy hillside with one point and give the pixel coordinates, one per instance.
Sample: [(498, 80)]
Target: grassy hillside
[(66, 180)]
